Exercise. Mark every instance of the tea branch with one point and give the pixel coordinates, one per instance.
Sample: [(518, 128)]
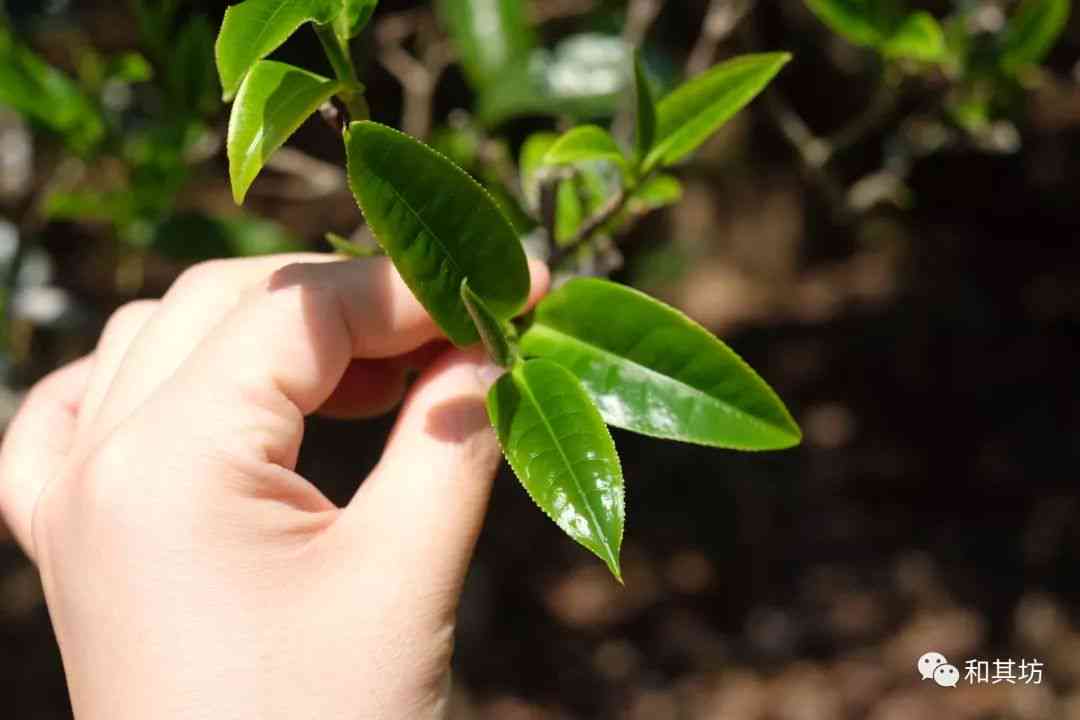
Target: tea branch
[(337, 52), (588, 230)]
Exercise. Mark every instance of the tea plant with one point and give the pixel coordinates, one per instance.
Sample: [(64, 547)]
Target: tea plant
[(132, 126), (986, 60), (593, 352)]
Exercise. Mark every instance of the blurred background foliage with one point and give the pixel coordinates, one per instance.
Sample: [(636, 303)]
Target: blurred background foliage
[(889, 235)]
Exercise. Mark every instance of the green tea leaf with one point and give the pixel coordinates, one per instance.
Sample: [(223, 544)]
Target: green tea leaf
[(920, 37), (570, 210), (693, 112), (36, 89), (255, 28), (492, 330), (580, 197), (438, 225), (354, 17), (863, 22), (656, 192), (491, 36), (558, 446), (584, 144), (1032, 32), (652, 370), (274, 100), (646, 111), (882, 25)]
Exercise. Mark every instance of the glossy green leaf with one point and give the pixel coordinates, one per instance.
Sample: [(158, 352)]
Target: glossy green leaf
[(1032, 32), (585, 143), (520, 219), (492, 330), (438, 225), (36, 89), (646, 111), (583, 78), (354, 17), (919, 37), (491, 36), (558, 446), (652, 370), (253, 29), (693, 112), (273, 102)]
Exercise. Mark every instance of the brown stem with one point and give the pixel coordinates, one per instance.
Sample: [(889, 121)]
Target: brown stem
[(721, 19), (420, 75)]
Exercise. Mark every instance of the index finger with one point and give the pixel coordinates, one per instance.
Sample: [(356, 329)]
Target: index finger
[(387, 317)]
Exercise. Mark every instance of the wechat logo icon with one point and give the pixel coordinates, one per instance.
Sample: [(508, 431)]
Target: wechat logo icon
[(934, 666)]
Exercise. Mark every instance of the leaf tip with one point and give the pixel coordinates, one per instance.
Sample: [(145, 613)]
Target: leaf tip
[(239, 192)]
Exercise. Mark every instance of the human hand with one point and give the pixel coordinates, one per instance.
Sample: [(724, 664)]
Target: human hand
[(189, 570)]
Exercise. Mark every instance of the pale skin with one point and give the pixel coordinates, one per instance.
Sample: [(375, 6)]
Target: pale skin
[(189, 571)]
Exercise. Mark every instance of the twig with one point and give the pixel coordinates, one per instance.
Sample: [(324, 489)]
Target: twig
[(721, 19), (337, 52), (640, 16), (879, 109), (418, 76), (591, 226), (813, 151)]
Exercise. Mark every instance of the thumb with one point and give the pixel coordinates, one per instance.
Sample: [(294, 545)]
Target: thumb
[(424, 504)]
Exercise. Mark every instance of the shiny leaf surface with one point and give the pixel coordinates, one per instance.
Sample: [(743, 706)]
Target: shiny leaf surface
[(693, 112), (561, 451), (491, 36), (652, 370), (438, 225), (584, 144), (274, 100), (253, 29), (354, 17)]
